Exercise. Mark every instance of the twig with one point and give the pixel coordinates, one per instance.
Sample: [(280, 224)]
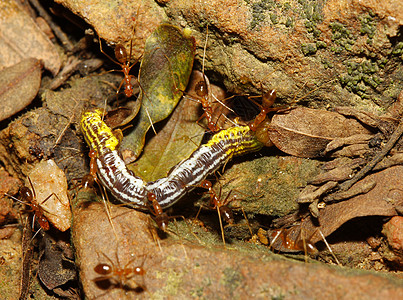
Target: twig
[(385, 150), (67, 126), (27, 253), (69, 68), (56, 29)]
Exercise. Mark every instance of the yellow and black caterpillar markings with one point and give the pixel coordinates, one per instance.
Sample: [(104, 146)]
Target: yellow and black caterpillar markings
[(96, 133), (188, 174)]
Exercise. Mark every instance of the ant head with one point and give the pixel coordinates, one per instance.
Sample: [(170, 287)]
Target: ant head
[(226, 214), (206, 184), (253, 126), (43, 222), (201, 88), (26, 194), (103, 269), (151, 197), (162, 221), (269, 98), (120, 53), (87, 181), (128, 90), (92, 153)]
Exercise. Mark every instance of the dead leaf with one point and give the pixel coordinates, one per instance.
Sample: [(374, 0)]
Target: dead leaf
[(311, 193), (55, 269), (385, 124), (355, 150), (337, 174), (359, 188), (379, 201), (21, 38), (19, 85), (116, 117), (350, 140), (395, 159), (305, 132), (48, 178)]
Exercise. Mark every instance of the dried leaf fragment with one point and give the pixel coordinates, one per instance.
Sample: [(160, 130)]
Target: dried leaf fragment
[(312, 193), (21, 38), (55, 269), (337, 174), (349, 140), (47, 179), (305, 132), (19, 85), (376, 202)]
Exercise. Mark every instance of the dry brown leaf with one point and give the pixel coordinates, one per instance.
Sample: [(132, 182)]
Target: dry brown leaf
[(311, 193), (19, 85), (48, 178), (55, 267), (379, 201), (21, 38), (305, 132), (350, 140), (357, 189), (384, 123), (337, 174)]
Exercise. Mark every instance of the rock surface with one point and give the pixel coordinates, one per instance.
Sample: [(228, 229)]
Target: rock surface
[(350, 50), (393, 230), (177, 268)]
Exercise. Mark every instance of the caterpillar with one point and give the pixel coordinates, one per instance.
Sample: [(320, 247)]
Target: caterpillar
[(111, 169), (128, 188)]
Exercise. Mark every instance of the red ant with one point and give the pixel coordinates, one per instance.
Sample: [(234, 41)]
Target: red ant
[(161, 217), (29, 198), (201, 90), (123, 60), (223, 210), (88, 180), (118, 276), (268, 100), (285, 240), (292, 240), (260, 125)]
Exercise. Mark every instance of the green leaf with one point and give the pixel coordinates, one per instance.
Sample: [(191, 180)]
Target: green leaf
[(179, 137), (164, 74)]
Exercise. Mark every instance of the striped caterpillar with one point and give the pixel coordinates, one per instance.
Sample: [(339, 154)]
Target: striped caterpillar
[(131, 189)]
